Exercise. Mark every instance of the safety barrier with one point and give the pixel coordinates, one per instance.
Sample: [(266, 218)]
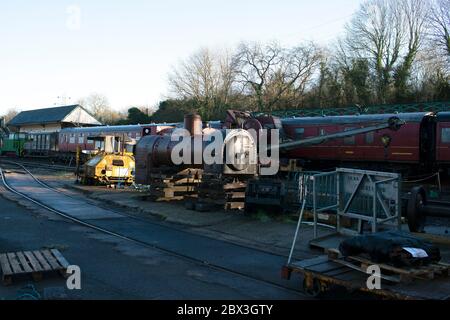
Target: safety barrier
[(361, 195)]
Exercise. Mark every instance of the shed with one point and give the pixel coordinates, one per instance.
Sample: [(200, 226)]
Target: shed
[(52, 119)]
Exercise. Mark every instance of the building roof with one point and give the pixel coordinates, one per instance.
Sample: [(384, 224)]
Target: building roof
[(48, 115)]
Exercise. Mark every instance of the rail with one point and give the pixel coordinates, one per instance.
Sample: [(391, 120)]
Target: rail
[(182, 255)]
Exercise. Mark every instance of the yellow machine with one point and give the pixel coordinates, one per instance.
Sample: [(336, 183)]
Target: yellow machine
[(114, 164)]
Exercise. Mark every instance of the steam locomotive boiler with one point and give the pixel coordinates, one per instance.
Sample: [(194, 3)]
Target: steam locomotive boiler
[(154, 153)]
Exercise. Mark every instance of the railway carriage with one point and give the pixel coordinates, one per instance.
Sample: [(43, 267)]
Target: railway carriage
[(65, 143), (423, 141)]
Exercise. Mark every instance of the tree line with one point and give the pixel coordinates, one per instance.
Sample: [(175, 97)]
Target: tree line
[(392, 51)]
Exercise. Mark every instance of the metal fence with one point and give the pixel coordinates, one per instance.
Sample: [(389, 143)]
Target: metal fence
[(358, 195), (319, 189), (392, 108)]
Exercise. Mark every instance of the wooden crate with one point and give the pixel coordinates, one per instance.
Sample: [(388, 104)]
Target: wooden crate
[(35, 263)]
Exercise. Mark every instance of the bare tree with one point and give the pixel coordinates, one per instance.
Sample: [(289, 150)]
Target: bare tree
[(9, 115), (273, 75), (98, 105), (207, 78), (431, 79), (388, 33), (439, 19), (414, 17), (257, 63)]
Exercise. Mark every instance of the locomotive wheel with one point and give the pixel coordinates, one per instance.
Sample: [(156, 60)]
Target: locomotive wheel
[(416, 219)]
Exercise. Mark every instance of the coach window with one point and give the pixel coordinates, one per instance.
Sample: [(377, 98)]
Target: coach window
[(369, 137), (445, 135), (322, 132), (299, 133), (99, 145), (351, 139), (138, 136), (81, 138), (72, 138)]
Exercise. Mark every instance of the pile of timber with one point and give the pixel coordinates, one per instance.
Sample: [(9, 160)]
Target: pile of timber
[(166, 187), (227, 193)]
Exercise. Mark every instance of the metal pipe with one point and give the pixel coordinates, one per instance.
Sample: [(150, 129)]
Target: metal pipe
[(393, 123)]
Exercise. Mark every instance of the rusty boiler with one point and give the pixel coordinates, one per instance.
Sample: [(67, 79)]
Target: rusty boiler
[(154, 153)]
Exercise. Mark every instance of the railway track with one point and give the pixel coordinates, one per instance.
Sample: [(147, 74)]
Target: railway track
[(213, 263), (40, 164)]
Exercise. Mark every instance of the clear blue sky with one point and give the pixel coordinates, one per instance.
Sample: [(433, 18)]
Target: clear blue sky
[(125, 49)]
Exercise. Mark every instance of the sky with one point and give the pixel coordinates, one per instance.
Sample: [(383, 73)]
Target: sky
[(57, 52)]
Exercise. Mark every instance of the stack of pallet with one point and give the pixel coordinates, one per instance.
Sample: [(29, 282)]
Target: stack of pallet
[(391, 273), (175, 187), (229, 194)]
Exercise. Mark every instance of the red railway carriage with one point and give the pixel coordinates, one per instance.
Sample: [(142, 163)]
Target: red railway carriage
[(71, 138), (442, 138), (412, 144)]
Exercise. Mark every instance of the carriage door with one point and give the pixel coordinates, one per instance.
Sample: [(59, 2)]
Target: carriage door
[(443, 142), (428, 140)]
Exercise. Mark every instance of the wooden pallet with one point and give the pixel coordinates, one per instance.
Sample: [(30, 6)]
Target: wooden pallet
[(391, 273), (35, 263)]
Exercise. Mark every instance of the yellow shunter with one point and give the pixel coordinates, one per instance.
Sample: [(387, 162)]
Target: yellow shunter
[(114, 164)]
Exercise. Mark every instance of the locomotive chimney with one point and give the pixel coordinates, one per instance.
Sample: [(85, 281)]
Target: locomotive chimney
[(193, 124)]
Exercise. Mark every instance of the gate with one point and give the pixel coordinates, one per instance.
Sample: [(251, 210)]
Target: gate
[(370, 196)]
